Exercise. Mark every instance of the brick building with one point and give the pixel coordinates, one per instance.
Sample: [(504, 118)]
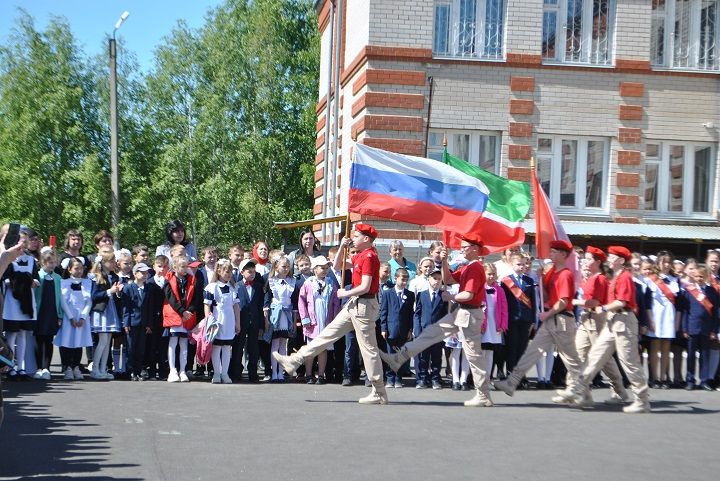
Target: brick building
[(617, 100)]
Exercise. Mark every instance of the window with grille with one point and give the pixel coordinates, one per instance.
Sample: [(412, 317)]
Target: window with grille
[(578, 31), (469, 29), (685, 34)]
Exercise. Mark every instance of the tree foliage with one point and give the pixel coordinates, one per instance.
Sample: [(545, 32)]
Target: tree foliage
[(220, 133)]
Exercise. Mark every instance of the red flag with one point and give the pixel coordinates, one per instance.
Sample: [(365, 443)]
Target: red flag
[(548, 227)]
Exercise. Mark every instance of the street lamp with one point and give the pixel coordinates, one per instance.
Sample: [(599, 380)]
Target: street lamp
[(114, 173)]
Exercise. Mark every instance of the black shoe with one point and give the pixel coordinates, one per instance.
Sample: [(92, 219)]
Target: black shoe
[(689, 386), (706, 387), (321, 380), (457, 387), (665, 385), (254, 379), (655, 385), (144, 374), (437, 385), (464, 386), (310, 380), (346, 382), (368, 383)]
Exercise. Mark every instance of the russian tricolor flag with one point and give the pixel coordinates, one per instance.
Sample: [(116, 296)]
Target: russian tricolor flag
[(415, 190)]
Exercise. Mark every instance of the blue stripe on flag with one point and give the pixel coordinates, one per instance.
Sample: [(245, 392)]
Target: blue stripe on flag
[(461, 197)]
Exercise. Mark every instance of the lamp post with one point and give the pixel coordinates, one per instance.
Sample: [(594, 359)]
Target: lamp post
[(114, 173)]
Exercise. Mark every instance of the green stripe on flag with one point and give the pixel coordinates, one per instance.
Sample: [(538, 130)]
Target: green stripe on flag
[(509, 200)]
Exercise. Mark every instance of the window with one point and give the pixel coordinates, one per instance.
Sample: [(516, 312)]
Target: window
[(573, 171), (478, 148), (578, 31), (685, 34), (469, 28), (679, 178)]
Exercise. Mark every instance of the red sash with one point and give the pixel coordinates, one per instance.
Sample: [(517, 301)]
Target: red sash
[(714, 282), (663, 287), (700, 296), (517, 292)]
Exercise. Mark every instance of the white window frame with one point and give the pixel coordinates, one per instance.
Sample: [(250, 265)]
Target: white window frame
[(453, 43), (474, 148), (693, 48), (561, 8), (555, 159), (688, 186)]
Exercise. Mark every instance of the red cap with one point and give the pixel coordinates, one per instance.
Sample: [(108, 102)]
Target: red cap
[(597, 253), (366, 229), (195, 264), (620, 251), (475, 238), (561, 245)]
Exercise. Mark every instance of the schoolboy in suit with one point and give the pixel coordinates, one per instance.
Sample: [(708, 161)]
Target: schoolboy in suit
[(522, 309), (156, 345), (251, 296), (429, 308), (396, 317), (137, 319)]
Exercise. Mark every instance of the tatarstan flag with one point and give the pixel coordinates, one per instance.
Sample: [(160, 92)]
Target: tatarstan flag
[(501, 226)]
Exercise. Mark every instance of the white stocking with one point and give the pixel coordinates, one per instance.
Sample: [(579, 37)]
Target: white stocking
[(172, 345), (226, 353), (100, 355), (455, 364), (183, 352), (11, 339), (216, 361), (489, 354)]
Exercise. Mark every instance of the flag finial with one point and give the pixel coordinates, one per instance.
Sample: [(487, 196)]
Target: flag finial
[(445, 141), (532, 164)]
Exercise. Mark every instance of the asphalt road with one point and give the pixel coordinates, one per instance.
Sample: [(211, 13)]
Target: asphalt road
[(198, 431)]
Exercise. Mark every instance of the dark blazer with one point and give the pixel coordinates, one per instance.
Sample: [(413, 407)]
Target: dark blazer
[(251, 308), (136, 307), (695, 318), (396, 318), (426, 311), (517, 311), (155, 297), (99, 292)]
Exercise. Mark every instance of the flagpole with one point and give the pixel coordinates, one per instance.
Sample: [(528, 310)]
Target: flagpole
[(540, 269), (347, 222)]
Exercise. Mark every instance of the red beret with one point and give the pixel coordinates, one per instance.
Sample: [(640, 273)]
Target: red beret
[(597, 253), (195, 264), (561, 245), (620, 251), (366, 229), (476, 239)]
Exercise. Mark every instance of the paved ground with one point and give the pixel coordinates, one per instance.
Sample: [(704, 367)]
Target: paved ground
[(198, 431)]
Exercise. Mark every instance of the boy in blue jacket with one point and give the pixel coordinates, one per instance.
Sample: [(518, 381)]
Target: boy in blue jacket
[(396, 317), (429, 308), (699, 306), (137, 319)]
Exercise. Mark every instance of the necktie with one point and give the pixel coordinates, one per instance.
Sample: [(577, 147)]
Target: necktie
[(434, 295), (399, 294)]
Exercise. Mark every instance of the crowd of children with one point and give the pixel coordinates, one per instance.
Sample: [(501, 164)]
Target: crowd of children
[(138, 316)]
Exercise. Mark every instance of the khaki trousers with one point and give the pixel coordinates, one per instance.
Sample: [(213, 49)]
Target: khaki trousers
[(619, 334), (469, 322), (591, 324), (557, 330), (359, 314)]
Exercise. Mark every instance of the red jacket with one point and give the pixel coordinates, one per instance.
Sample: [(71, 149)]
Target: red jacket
[(174, 306)]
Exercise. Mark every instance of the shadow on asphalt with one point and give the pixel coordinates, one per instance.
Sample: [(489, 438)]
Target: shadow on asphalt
[(40, 445)]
